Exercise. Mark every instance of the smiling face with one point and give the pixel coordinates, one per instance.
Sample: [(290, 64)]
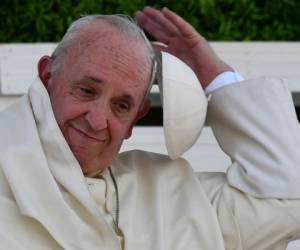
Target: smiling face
[(97, 94)]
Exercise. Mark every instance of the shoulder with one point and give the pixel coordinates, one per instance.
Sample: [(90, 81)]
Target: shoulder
[(13, 115), (149, 163), (17, 106), (14, 122), (149, 158)]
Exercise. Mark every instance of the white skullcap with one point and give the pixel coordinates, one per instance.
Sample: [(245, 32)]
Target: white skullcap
[(184, 105)]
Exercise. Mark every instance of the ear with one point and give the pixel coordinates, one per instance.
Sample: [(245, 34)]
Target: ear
[(143, 112), (44, 69)]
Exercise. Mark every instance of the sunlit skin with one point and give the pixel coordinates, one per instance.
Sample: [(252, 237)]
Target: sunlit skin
[(97, 94)]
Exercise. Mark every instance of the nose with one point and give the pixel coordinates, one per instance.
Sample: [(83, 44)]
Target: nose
[(97, 117)]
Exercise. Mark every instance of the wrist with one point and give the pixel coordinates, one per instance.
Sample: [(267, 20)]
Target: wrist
[(207, 65), (208, 73)]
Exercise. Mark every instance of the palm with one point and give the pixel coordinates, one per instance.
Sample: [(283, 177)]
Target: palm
[(185, 50)]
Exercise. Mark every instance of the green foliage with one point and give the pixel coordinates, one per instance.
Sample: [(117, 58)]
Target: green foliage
[(47, 20)]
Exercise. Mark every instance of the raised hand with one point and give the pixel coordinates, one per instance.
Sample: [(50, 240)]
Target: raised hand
[(183, 41)]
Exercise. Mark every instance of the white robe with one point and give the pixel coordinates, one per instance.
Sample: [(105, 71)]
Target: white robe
[(45, 202)]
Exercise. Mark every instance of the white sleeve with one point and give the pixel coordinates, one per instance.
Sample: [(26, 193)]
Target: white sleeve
[(223, 79), (255, 123)]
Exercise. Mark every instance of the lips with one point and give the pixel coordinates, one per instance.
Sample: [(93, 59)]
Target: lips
[(83, 133)]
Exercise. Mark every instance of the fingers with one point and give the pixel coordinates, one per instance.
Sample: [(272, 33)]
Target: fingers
[(184, 27), (165, 24), (151, 27), (155, 23), (160, 20)]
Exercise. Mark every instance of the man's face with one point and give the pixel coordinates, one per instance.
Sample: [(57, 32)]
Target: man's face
[(97, 94)]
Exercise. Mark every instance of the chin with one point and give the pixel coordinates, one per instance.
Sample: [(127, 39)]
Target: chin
[(89, 167)]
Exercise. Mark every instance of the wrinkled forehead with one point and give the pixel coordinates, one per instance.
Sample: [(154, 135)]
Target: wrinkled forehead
[(102, 37), (102, 47)]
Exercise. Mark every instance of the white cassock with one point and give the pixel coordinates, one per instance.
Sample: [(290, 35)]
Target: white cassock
[(47, 203)]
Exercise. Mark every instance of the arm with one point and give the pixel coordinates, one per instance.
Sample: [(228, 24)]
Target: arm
[(255, 123)]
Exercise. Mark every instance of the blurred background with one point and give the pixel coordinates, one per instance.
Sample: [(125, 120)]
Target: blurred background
[(218, 20)]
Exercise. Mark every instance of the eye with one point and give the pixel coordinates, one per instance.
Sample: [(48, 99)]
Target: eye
[(87, 91), (84, 92), (122, 107)]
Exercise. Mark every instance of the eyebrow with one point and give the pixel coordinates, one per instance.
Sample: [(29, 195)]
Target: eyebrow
[(88, 78)]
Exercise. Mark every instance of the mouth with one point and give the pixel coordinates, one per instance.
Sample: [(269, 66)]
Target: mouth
[(83, 133)]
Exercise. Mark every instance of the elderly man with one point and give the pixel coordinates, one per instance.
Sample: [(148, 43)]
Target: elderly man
[(64, 186)]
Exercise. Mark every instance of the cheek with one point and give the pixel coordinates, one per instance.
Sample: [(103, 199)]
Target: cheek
[(64, 110), (60, 111), (60, 101), (119, 130)]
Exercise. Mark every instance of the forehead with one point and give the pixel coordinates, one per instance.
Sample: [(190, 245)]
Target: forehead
[(104, 51)]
